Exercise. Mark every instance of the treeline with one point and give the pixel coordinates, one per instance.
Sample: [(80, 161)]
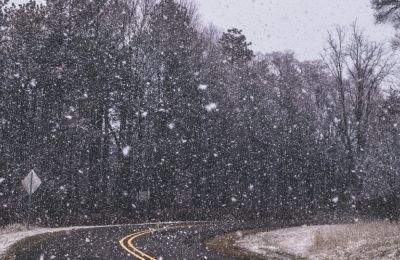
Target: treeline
[(116, 101)]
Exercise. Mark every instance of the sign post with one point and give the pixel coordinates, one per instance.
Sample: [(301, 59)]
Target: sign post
[(31, 183)]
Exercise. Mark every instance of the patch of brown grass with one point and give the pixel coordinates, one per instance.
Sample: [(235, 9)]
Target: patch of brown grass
[(331, 237), (373, 240), (225, 245)]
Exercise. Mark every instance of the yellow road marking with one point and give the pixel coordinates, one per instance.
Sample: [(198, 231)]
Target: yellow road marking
[(131, 245), (133, 250), (136, 251)]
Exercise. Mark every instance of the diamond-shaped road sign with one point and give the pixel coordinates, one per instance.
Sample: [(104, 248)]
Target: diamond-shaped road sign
[(31, 182)]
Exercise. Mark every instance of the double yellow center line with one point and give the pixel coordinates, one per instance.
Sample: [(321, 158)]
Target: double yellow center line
[(127, 242), (128, 245)]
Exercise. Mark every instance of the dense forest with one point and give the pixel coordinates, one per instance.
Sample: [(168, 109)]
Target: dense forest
[(131, 110)]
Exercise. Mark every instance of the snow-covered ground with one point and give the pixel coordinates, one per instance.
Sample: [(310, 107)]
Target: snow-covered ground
[(358, 241), (295, 241)]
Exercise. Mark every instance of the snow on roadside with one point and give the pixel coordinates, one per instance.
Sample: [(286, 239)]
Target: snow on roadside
[(8, 239), (295, 241), (378, 240)]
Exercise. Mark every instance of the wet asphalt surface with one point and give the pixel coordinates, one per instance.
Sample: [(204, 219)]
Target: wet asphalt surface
[(180, 241)]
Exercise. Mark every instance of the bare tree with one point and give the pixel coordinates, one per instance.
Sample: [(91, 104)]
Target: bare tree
[(359, 68), (368, 65), (334, 59)]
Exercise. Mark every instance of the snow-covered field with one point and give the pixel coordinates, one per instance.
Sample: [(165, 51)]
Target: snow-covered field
[(378, 240)]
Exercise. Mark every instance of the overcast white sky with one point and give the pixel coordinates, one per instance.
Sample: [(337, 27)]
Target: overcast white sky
[(298, 25)]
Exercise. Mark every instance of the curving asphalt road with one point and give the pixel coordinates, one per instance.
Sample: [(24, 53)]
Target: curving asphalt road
[(144, 242)]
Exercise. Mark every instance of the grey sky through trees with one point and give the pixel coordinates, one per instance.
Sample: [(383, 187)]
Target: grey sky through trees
[(298, 25)]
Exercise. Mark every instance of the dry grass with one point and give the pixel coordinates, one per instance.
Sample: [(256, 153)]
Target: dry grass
[(225, 245), (331, 237), (374, 240)]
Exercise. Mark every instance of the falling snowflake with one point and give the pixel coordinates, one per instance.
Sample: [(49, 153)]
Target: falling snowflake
[(335, 199), (251, 187), (171, 126), (33, 83), (203, 87), (126, 150), (211, 107)]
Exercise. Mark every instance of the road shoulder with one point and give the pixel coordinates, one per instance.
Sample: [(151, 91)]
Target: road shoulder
[(227, 245), (27, 243)]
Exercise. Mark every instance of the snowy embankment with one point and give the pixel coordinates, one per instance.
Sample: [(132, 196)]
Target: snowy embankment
[(379, 240)]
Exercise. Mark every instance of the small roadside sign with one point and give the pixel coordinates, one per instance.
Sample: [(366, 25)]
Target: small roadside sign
[(31, 182)]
